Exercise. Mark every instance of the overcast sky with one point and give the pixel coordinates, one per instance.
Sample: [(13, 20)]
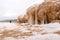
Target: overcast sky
[(11, 9)]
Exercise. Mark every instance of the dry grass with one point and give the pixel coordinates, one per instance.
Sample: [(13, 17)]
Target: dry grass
[(14, 33), (58, 32)]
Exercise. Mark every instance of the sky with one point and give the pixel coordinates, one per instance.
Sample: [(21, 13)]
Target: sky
[(11, 9)]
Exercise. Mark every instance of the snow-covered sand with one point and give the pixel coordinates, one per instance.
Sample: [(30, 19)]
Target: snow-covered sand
[(24, 31)]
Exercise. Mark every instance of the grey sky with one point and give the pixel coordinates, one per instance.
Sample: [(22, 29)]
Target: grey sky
[(10, 9)]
